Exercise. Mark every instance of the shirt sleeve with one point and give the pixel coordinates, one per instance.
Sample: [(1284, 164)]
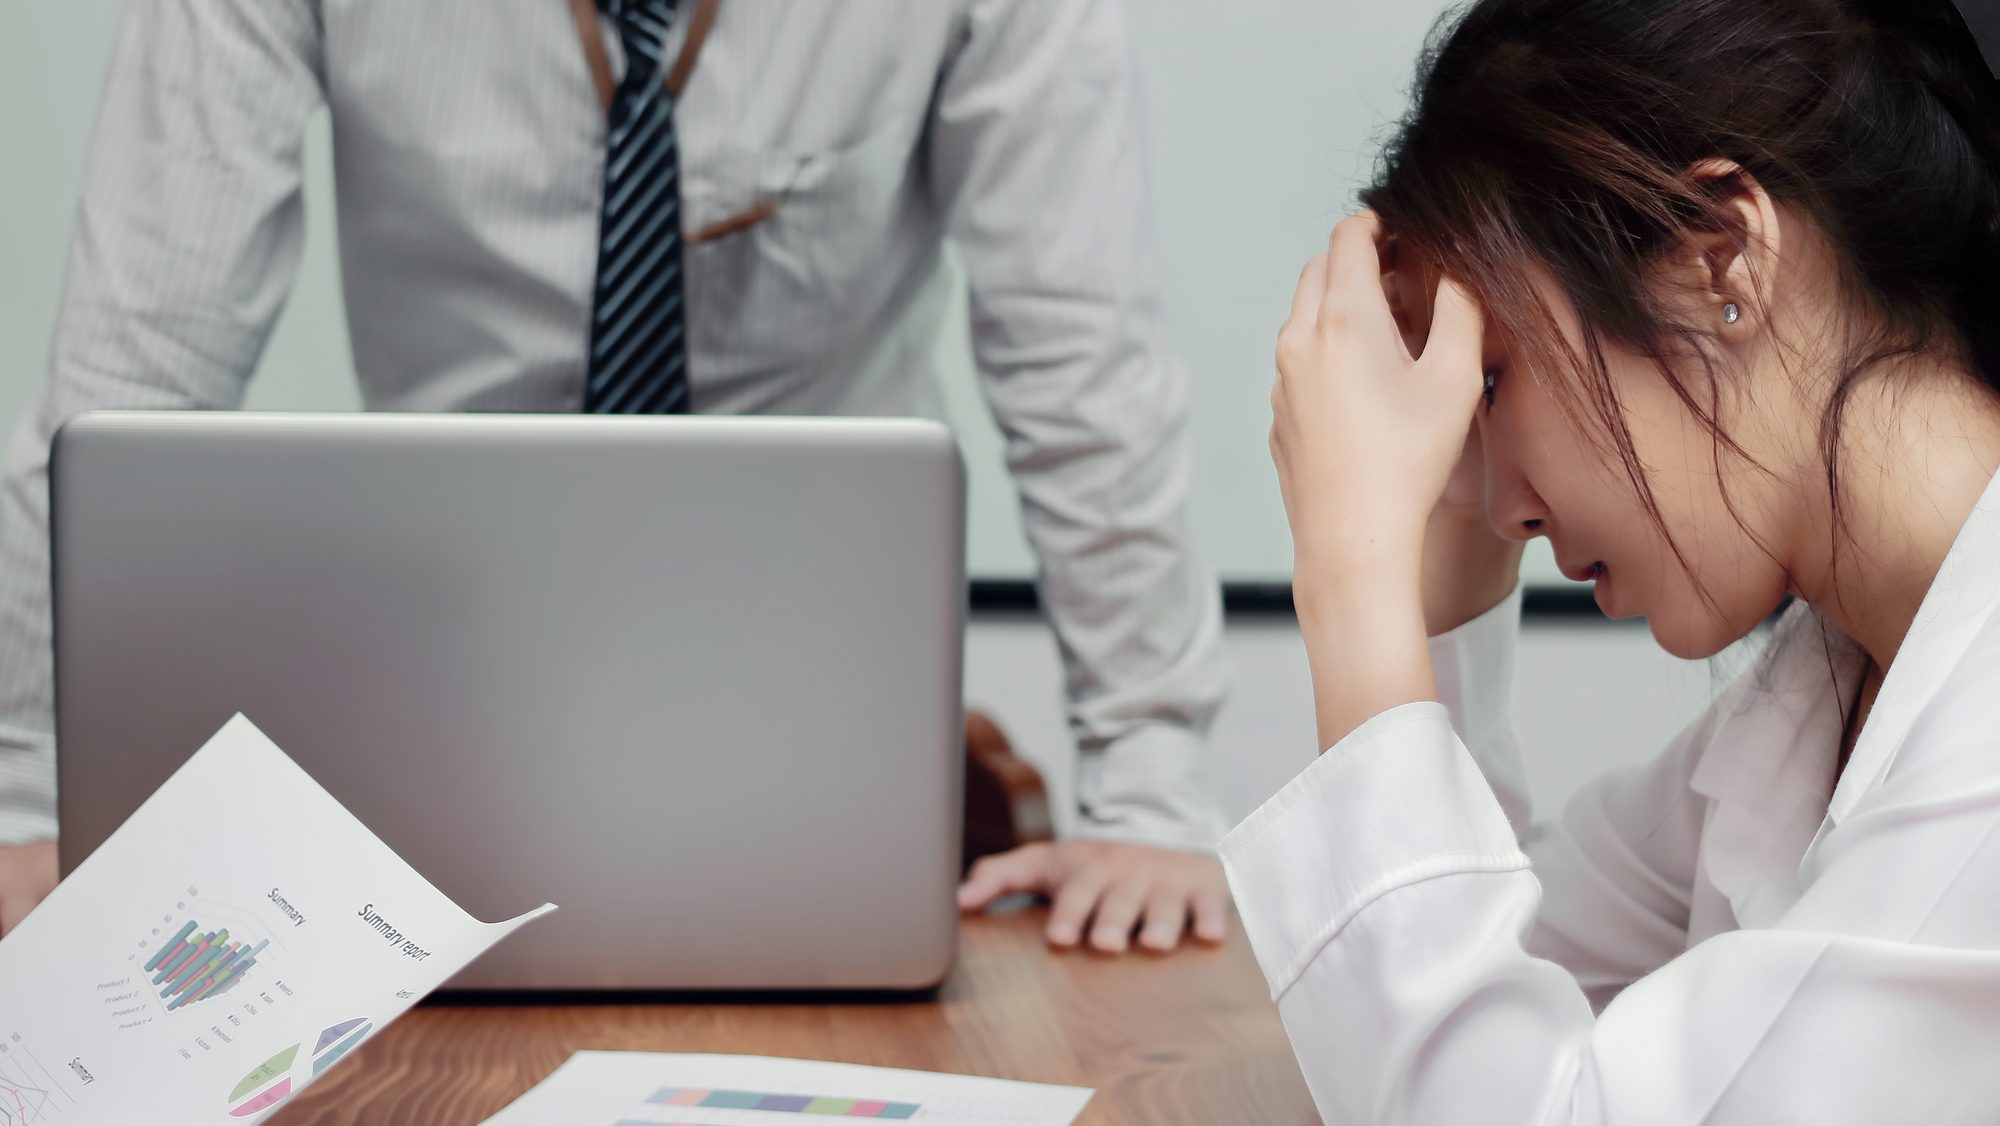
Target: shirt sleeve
[(1035, 160), (1617, 865), (1394, 912), (187, 239)]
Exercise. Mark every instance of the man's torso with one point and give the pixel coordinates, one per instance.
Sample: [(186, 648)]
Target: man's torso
[(468, 146)]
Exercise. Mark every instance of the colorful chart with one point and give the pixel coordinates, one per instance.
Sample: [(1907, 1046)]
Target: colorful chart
[(22, 1105), (335, 1042), (195, 967), (29, 1093), (828, 1105), (270, 1083)]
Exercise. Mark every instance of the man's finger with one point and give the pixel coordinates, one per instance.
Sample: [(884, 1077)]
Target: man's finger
[(1075, 900), (1117, 914), (1211, 914), (1166, 918), (1025, 869)]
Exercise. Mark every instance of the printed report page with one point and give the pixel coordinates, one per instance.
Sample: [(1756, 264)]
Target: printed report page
[(234, 939)]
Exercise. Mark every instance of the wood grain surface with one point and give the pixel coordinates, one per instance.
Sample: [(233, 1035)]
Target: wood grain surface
[(1190, 1037)]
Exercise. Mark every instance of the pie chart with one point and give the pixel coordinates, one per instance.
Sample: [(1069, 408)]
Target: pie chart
[(335, 1042), (270, 1082)]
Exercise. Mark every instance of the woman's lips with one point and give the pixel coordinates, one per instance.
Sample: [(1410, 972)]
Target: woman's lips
[(1596, 570)]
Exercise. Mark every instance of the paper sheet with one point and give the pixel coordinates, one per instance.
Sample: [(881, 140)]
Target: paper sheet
[(648, 1089), (230, 942)]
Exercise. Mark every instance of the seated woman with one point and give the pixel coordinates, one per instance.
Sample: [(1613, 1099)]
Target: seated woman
[(1713, 285)]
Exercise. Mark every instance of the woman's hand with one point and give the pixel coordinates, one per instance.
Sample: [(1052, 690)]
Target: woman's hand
[(1468, 567), (1365, 434), (1365, 438)]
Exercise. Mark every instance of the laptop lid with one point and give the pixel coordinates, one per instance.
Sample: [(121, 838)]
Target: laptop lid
[(697, 680)]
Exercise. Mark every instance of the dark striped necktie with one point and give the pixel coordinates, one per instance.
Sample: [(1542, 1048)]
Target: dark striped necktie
[(638, 331)]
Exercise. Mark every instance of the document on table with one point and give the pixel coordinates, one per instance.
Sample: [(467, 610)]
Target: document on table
[(230, 942), (648, 1089)]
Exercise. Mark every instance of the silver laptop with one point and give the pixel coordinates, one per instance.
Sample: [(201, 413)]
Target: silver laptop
[(695, 680)]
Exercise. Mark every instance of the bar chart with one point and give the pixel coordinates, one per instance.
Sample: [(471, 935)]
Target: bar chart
[(192, 967), (699, 1089), (826, 1105)]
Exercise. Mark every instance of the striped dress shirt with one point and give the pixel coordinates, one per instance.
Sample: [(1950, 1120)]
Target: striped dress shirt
[(469, 147)]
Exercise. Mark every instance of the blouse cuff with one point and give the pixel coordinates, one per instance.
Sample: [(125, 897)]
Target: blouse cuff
[(1396, 802)]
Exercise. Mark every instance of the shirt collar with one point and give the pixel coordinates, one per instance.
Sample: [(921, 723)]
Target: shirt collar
[(1769, 763), (1959, 603), (1774, 740)]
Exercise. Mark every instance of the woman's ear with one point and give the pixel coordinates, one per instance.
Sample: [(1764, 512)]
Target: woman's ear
[(1730, 266)]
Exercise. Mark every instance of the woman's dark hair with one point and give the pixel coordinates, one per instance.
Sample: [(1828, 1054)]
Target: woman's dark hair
[(1564, 134)]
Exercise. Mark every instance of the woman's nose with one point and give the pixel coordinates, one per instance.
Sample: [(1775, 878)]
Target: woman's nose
[(1513, 508)]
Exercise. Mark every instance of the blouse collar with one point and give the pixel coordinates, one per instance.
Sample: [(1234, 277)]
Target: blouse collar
[(1775, 737)]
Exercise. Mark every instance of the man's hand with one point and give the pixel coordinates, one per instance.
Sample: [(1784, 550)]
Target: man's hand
[(27, 876), (1111, 888)]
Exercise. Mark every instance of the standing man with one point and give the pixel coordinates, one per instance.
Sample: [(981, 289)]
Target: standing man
[(638, 206)]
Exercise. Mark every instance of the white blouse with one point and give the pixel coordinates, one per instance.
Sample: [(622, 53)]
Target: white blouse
[(1721, 936)]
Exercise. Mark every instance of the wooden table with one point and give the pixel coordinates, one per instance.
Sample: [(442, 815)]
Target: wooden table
[(1190, 1037)]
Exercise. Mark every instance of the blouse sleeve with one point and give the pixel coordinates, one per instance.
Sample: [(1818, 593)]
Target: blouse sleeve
[(1617, 866), (1413, 954)]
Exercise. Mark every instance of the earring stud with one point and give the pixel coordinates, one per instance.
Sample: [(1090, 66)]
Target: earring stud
[(1730, 313)]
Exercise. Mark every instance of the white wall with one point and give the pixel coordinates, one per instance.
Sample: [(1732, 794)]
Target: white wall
[(1589, 697), (1263, 120)]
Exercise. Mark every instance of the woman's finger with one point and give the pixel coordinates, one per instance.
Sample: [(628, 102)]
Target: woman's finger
[(1386, 263), (1465, 489), (1457, 328), (1413, 281), (1312, 287), (1354, 262)]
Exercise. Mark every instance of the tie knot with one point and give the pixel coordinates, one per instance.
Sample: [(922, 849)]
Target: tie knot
[(642, 28)]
